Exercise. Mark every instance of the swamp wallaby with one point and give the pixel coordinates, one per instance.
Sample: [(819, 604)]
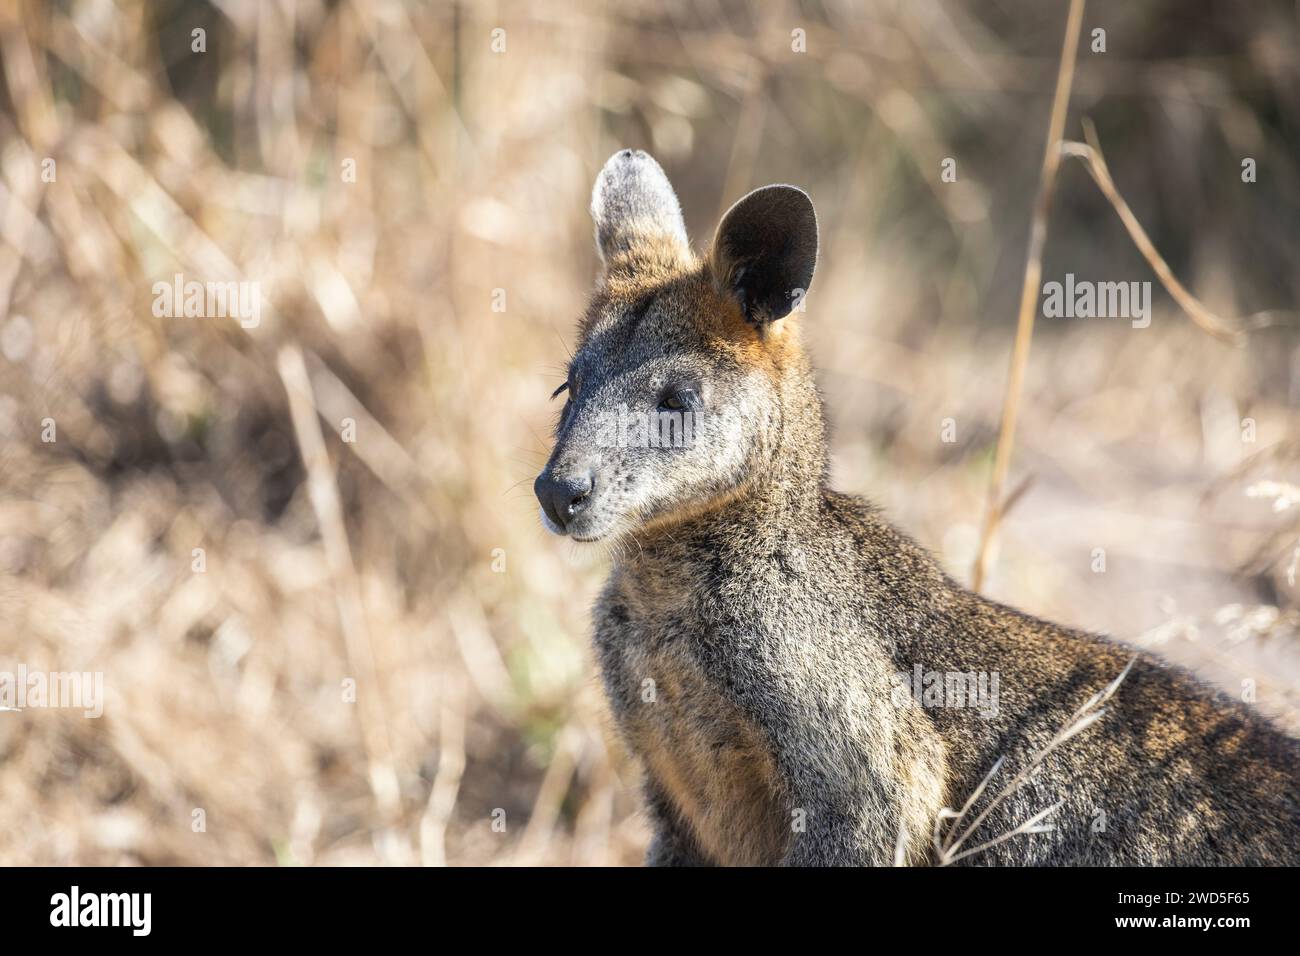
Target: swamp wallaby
[(769, 645)]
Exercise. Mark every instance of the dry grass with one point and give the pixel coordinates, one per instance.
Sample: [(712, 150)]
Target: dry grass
[(1029, 292), (410, 561), (996, 506), (948, 847)]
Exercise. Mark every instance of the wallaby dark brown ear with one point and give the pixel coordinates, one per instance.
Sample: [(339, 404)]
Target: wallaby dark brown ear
[(633, 202), (766, 250)]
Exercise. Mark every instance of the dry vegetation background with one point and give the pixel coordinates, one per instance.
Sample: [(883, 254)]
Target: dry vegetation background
[(377, 561)]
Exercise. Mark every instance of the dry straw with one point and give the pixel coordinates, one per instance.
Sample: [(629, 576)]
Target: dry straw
[(949, 847), (996, 506)]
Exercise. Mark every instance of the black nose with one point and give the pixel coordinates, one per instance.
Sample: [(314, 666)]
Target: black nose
[(564, 498)]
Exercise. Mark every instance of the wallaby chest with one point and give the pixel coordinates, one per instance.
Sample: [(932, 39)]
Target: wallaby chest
[(706, 758)]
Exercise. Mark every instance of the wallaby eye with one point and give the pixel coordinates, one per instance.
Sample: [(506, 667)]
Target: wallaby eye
[(678, 400)]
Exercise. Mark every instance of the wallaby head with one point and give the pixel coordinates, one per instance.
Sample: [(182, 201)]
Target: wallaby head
[(688, 384)]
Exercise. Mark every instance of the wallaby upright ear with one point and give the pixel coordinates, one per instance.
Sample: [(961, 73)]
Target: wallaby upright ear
[(765, 251), (633, 202)]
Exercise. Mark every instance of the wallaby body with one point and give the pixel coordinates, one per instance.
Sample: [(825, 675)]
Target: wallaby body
[(755, 624)]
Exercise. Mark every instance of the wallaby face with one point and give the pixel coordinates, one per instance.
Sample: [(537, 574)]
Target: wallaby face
[(752, 642), (673, 398)]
